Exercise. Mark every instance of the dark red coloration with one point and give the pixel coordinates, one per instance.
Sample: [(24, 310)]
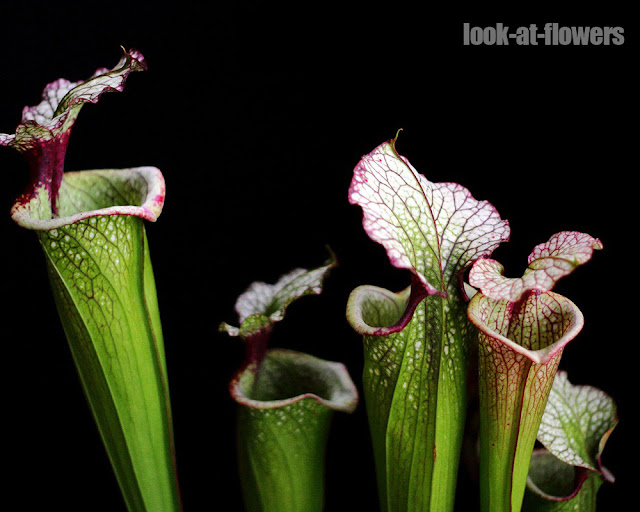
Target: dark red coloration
[(581, 475), (419, 292), (46, 167), (256, 347)]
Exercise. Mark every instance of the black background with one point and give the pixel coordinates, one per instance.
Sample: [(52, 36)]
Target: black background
[(257, 114)]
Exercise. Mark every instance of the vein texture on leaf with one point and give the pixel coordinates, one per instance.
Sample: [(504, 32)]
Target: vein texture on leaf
[(433, 229), (96, 266), (43, 138), (541, 325), (62, 100), (548, 263), (417, 347), (577, 422), (270, 301)]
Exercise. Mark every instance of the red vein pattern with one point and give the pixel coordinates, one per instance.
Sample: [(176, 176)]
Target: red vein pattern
[(416, 342), (433, 229), (43, 135), (520, 346), (548, 263)]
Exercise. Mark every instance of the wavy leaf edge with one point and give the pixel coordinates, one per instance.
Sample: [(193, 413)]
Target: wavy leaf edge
[(262, 305), (343, 394), (578, 401), (547, 264), (384, 161), (148, 208), (540, 356), (43, 136)]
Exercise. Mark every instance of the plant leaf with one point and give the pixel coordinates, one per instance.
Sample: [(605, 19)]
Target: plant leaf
[(416, 342), (548, 262), (63, 99), (90, 225), (524, 329), (103, 285), (43, 135), (519, 351), (262, 304), (567, 473), (577, 422), (432, 229), (285, 401)]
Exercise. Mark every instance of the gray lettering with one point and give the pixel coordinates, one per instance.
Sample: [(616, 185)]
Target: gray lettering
[(551, 34), (564, 35), (502, 34), (522, 36), (580, 35), (618, 38), (596, 35), (533, 34), (476, 36), (489, 35)]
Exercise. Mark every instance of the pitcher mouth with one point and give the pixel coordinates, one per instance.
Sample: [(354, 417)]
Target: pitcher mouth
[(539, 356), (326, 382), (145, 191)]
